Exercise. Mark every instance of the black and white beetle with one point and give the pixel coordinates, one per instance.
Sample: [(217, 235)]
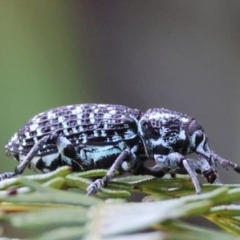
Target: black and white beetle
[(89, 136)]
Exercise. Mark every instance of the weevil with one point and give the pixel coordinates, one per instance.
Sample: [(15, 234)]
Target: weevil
[(113, 137)]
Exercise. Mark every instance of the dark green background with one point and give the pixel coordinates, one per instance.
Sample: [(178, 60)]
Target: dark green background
[(183, 55)]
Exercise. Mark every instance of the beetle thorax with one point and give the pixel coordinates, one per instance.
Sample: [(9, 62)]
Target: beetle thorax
[(163, 131)]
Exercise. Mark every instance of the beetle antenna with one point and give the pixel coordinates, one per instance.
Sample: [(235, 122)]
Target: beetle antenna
[(225, 163)]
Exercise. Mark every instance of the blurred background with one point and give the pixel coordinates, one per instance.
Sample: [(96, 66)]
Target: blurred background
[(182, 55)]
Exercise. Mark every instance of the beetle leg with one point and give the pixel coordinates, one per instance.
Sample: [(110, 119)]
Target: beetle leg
[(132, 162), (97, 184), (225, 163), (21, 167), (176, 160), (23, 164), (208, 165), (6, 175), (192, 174)]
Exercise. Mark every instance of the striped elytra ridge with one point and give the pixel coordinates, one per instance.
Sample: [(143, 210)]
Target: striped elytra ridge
[(81, 124), (114, 137)]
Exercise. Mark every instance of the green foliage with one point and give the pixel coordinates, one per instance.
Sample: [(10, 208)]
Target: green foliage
[(55, 206)]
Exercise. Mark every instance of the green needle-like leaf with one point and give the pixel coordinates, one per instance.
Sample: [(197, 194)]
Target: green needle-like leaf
[(37, 205)]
